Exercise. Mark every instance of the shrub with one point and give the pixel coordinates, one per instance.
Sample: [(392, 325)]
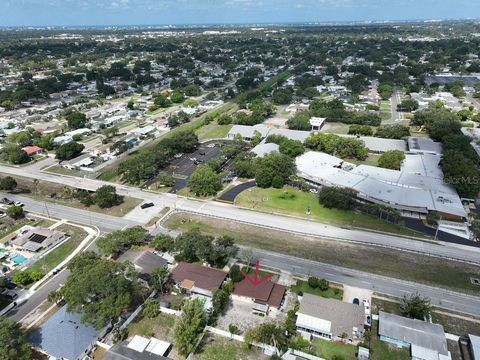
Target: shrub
[(313, 282)]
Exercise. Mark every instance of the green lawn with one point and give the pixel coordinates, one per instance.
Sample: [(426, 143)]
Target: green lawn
[(274, 200), (56, 256), (328, 349), (335, 128), (385, 110), (332, 293), (129, 203), (371, 160), (213, 131), (160, 327), (220, 348)]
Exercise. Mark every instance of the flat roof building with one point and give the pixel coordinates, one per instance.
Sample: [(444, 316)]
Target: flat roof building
[(410, 193)]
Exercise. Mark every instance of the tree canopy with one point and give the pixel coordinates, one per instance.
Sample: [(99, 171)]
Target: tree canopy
[(13, 341), (100, 289)]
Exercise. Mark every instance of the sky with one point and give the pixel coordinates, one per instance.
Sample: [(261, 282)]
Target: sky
[(164, 12)]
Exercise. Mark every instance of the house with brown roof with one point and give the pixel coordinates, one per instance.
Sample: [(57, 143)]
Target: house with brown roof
[(265, 296), (32, 150), (197, 279)]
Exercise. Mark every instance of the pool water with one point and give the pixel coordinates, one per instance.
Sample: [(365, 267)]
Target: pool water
[(18, 259)]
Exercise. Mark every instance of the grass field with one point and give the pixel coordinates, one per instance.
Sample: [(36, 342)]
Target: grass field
[(56, 256), (371, 160), (376, 260), (335, 128), (385, 110), (331, 293), (328, 349), (274, 200), (213, 131), (215, 347), (160, 326)]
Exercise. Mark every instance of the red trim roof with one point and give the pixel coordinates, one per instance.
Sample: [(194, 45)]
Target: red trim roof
[(31, 149), (265, 293)]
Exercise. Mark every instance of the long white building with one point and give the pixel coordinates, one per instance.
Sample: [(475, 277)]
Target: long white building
[(414, 190)]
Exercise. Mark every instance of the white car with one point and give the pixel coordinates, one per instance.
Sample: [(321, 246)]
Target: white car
[(314, 191), (212, 145), (366, 306), (18, 203), (178, 156)]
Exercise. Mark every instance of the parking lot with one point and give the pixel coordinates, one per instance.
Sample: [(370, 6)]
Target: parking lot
[(182, 167)]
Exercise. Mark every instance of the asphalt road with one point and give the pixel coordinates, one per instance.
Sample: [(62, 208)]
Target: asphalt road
[(231, 213), (439, 297)]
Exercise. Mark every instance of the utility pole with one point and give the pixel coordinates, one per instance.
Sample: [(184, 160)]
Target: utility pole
[(46, 208)]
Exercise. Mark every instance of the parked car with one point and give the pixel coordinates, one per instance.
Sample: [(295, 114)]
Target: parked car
[(356, 301), (212, 145), (18, 203), (146, 205), (7, 201), (314, 191), (178, 156), (202, 153), (366, 305), (193, 159), (2, 214), (12, 295)]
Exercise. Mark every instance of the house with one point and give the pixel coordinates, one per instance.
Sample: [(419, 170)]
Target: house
[(145, 262), (424, 145), (139, 348), (263, 297), (144, 131), (37, 239), (425, 340), (197, 279), (32, 150), (330, 319), (83, 160), (64, 336), (63, 139)]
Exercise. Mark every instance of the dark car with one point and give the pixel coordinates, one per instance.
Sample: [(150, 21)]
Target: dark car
[(356, 301), (146, 205), (8, 201)]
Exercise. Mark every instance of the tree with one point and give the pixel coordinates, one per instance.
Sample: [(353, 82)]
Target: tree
[(8, 183), (158, 278), (69, 150), (189, 326), (151, 309), (300, 121), (323, 284), (273, 169), (408, 105), (393, 131), (116, 242), (356, 129), (177, 97), (13, 341), (15, 212), (55, 296), (282, 96), (416, 307), (235, 274), (163, 243), (391, 159), (292, 148), (385, 91), (204, 181), (101, 289), (76, 120), (269, 334), (106, 196), (336, 197), (313, 282), (15, 155)]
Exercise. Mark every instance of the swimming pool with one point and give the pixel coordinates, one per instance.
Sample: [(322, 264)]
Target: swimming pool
[(18, 259)]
